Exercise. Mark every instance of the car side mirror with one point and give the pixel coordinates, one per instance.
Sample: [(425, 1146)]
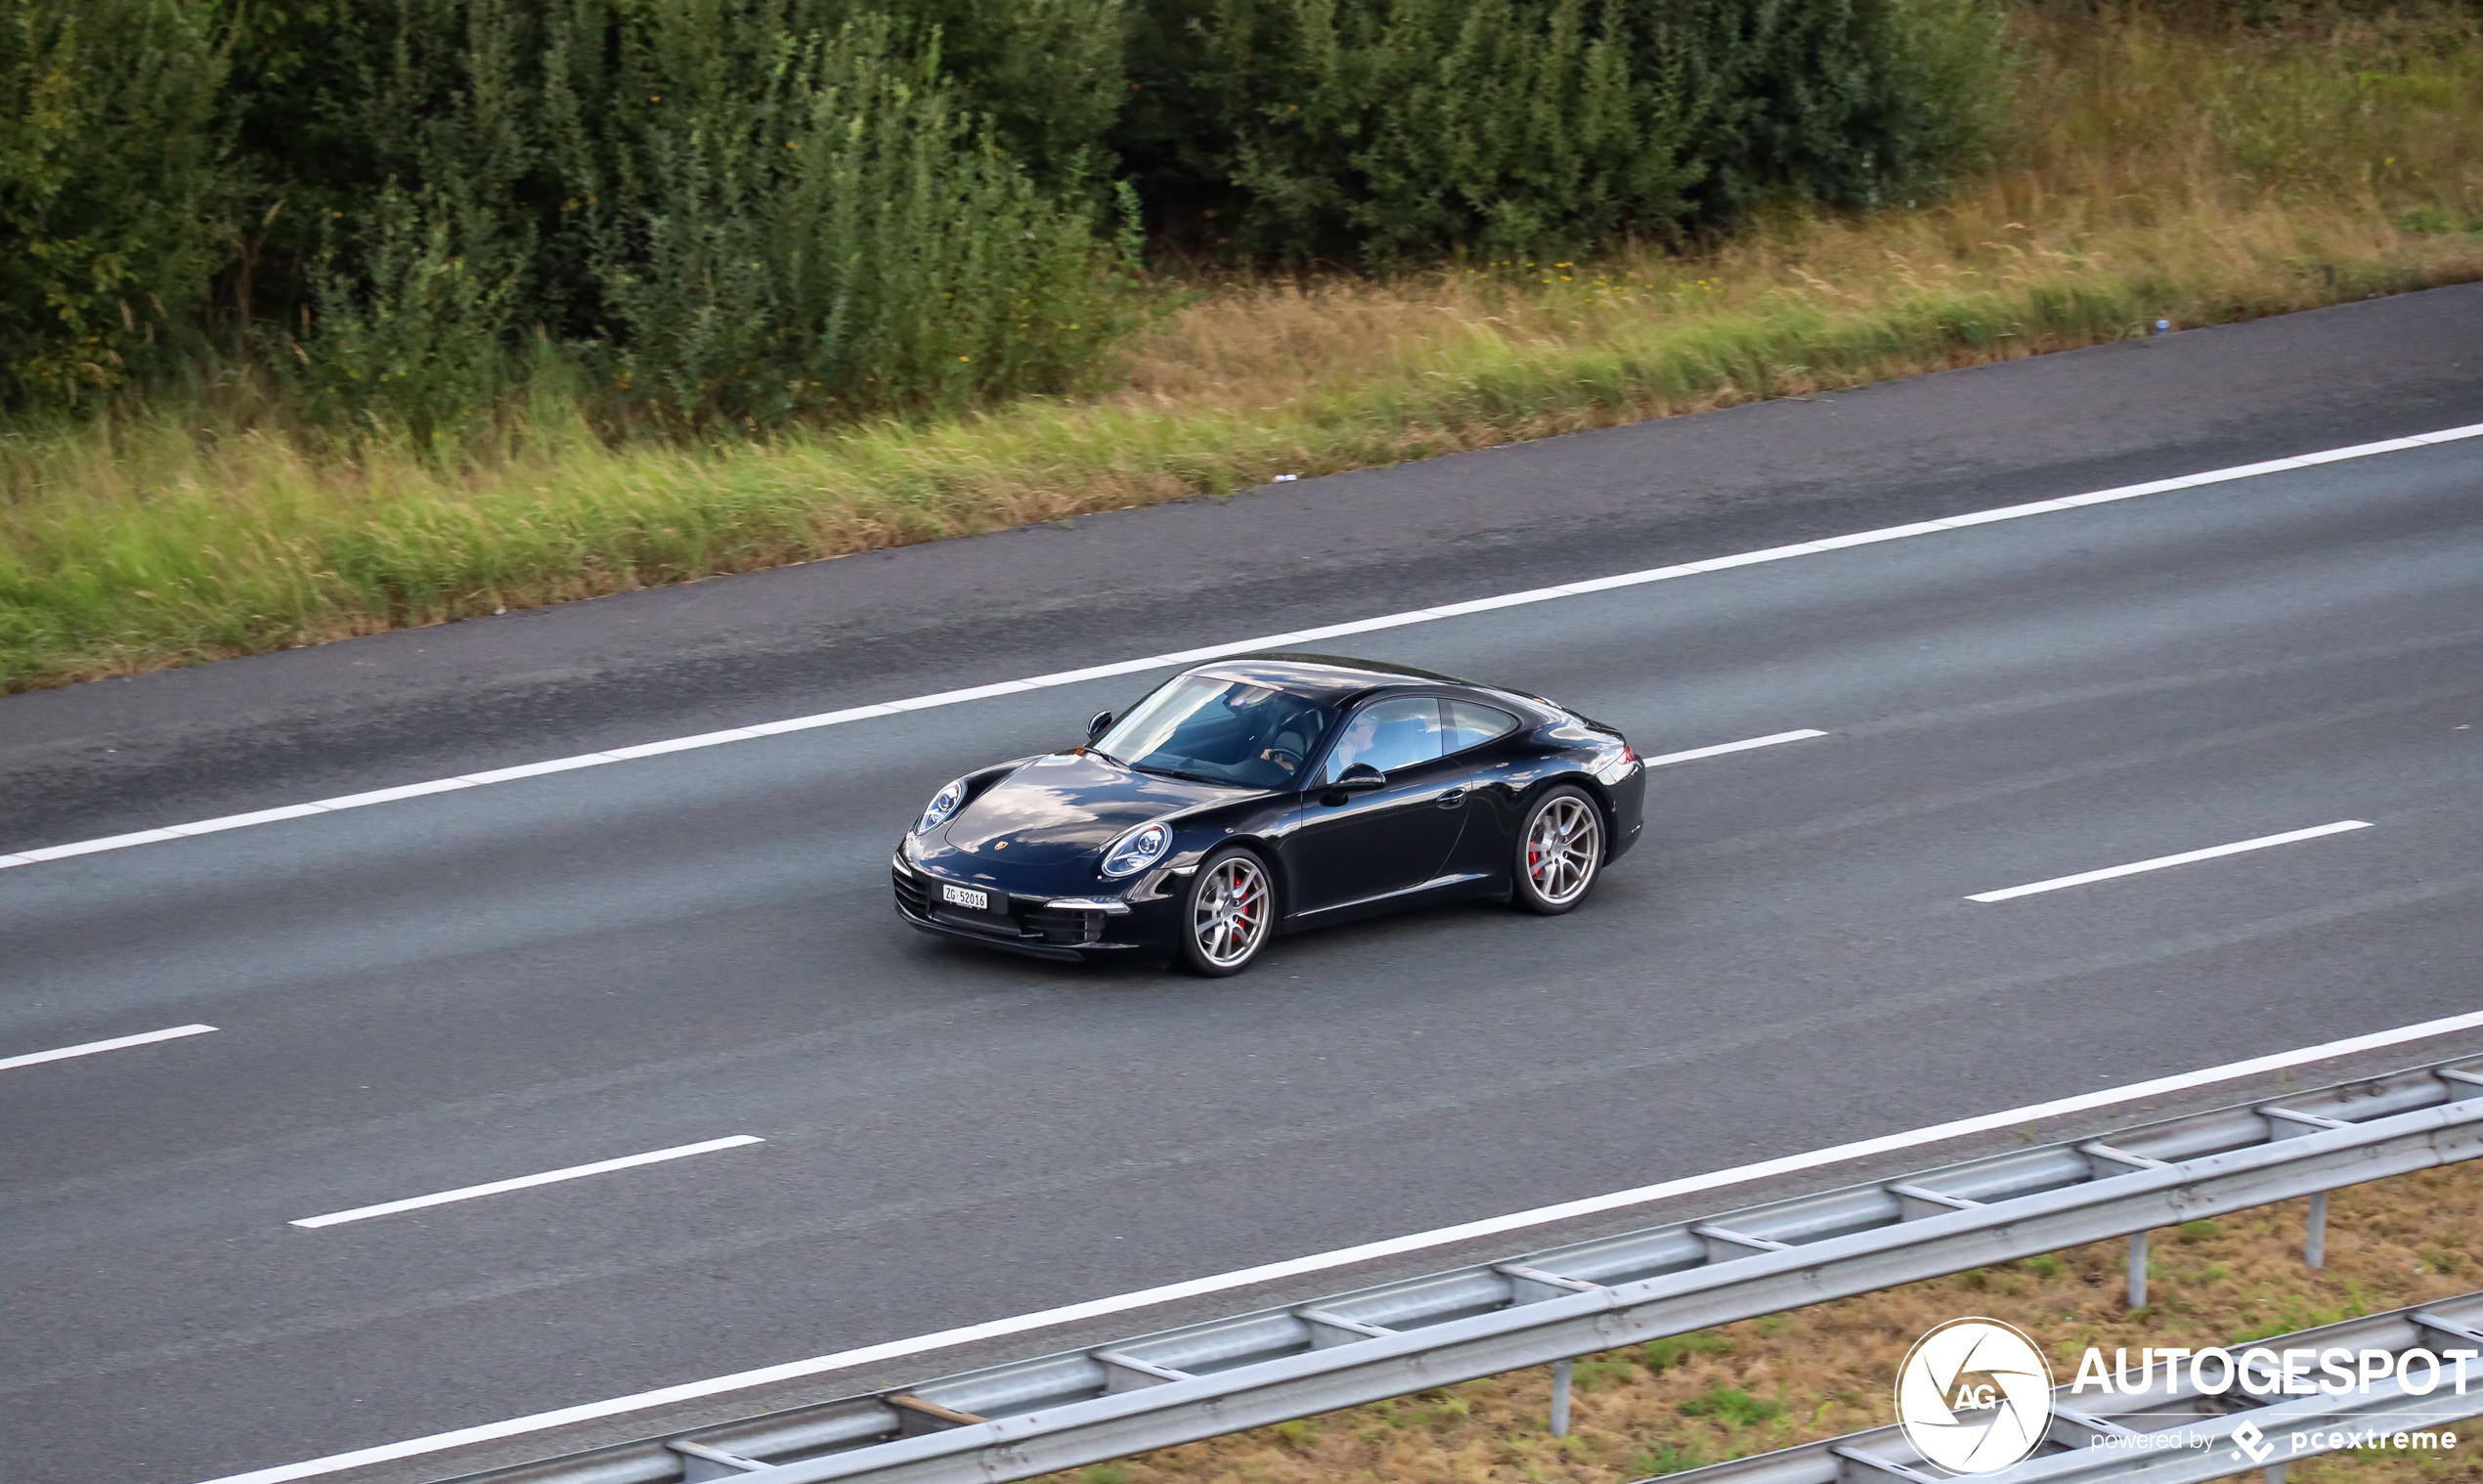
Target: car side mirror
[(1360, 778), (1096, 728)]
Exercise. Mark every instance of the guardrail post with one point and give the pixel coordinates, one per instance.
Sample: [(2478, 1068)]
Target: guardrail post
[(2138, 1270), (2315, 1240), (1560, 1399), (2276, 1474)]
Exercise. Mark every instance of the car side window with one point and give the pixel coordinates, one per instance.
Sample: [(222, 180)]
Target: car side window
[(1472, 725), (1388, 735)]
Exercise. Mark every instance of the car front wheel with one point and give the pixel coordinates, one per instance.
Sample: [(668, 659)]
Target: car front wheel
[(1559, 851), (1229, 914)]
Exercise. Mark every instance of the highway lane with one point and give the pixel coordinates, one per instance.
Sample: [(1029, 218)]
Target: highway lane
[(275, 729), (475, 986)]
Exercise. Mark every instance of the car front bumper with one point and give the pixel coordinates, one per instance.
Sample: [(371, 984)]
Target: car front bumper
[(1053, 928)]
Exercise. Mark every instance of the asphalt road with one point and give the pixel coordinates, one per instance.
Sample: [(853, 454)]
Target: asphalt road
[(462, 988)]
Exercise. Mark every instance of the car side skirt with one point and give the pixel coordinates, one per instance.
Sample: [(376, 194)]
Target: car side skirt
[(1438, 889)]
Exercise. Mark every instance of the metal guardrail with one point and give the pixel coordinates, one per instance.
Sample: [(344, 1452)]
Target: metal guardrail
[(2094, 1439), (1035, 1416)]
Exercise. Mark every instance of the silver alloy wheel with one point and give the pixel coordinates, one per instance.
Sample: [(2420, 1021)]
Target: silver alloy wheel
[(1562, 849), (1231, 915)]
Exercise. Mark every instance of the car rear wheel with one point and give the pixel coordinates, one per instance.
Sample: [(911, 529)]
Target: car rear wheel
[(1229, 913), (1559, 851)]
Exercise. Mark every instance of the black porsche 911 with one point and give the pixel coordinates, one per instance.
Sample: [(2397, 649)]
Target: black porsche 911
[(1267, 794)]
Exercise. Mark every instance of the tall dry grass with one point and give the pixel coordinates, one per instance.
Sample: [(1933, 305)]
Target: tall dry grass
[(2148, 172), (1825, 1370)]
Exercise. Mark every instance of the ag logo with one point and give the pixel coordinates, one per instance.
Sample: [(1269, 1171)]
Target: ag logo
[(1974, 1395)]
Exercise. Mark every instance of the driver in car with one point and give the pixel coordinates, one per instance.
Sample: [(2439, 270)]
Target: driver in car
[(1289, 725)]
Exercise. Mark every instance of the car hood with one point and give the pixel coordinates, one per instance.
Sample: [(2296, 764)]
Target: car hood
[(1067, 808)]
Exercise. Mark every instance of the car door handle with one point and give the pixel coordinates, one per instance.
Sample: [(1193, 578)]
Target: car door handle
[(1452, 799)]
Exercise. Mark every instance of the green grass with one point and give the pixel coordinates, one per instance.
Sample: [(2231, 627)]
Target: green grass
[(249, 546), (1733, 1406), (1663, 1354)]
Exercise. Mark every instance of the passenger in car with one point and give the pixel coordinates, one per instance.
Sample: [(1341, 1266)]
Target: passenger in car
[(1390, 735)]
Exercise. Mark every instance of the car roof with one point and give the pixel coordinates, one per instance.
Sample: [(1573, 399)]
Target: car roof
[(1330, 678)]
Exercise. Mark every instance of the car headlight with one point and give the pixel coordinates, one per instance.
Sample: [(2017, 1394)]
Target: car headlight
[(1138, 849), (941, 809)]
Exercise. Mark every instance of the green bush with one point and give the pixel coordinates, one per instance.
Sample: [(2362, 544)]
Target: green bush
[(1048, 74), (112, 185), (1385, 129), (734, 213), (1499, 125), (785, 224), (730, 214), (411, 329), (1853, 103)]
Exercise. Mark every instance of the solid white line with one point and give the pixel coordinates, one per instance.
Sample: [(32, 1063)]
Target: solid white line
[(1242, 646), (2162, 861), (864, 1355), (89, 1048), (522, 1182), (1721, 748)]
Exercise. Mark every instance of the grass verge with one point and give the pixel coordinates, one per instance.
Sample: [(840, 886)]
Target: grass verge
[(1678, 1403), (2150, 172)]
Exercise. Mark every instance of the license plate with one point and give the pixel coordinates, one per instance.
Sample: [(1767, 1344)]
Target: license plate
[(970, 898)]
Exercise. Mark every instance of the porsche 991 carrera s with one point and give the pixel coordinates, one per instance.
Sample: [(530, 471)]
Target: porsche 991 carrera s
[(1266, 794)]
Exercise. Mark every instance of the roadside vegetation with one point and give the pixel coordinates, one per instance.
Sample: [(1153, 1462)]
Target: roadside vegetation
[(480, 354), (1689, 1400)]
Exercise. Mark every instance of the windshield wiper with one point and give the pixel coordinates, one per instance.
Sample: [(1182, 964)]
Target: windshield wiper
[(1174, 772)]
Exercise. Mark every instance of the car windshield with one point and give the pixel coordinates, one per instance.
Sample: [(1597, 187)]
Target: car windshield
[(1224, 731)]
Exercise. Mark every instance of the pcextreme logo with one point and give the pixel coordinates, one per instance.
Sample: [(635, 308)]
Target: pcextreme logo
[(1975, 1396)]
